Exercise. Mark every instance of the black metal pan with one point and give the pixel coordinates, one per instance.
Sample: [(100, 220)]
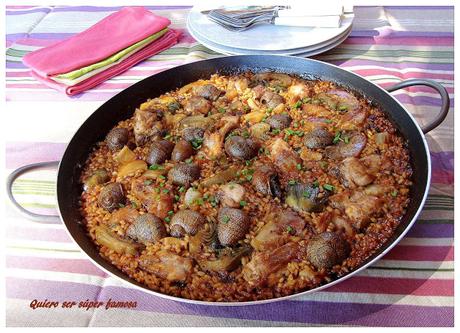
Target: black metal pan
[(122, 106)]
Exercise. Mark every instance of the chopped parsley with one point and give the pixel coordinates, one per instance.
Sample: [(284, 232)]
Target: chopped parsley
[(165, 190), (176, 197), (167, 219), (394, 193), (299, 166), (182, 189), (167, 136), (147, 182), (154, 167), (306, 100), (276, 131), (121, 205), (221, 110), (225, 219), (337, 137), (171, 212), (243, 203), (290, 229), (292, 182), (328, 187), (297, 105), (134, 204), (343, 108), (315, 183), (306, 193), (328, 121), (162, 177), (196, 143), (199, 201)]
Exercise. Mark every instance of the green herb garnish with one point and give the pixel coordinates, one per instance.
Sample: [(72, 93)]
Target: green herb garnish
[(243, 203), (394, 193), (147, 182), (225, 219), (328, 187)]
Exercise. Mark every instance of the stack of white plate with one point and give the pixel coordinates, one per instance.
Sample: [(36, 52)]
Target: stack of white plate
[(267, 38)]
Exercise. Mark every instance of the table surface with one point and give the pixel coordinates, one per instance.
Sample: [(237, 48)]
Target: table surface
[(411, 286)]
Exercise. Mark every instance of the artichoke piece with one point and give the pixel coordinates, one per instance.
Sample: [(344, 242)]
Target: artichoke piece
[(305, 197), (110, 240), (227, 260)]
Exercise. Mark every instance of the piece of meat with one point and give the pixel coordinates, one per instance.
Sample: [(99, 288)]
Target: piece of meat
[(271, 99), (279, 229), (354, 173), (318, 137), (124, 215), (214, 141), (197, 104), (208, 91), (155, 202), (283, 156), (351, 147), (263, 264), (148, 125), (358, 206), (167, 265), (340, 100)]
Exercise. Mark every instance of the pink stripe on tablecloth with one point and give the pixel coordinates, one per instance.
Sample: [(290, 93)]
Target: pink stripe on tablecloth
[(80, 266), (421, 253), (425, 287), (38, 234)]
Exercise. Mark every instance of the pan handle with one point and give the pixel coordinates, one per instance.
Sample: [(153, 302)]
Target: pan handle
[(445, 100), (45, 219)]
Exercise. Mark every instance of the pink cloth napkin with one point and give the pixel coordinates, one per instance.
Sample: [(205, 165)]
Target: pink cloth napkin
[(110, 35), (164, 42)]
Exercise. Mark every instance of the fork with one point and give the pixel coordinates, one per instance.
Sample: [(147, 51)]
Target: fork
[(241, 23)]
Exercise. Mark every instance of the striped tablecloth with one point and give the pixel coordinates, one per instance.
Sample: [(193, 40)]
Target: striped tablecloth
[(411, 286)]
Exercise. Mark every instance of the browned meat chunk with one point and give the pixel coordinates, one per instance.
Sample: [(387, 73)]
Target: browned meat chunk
[(263, 264), (358, 206), (208, 91), (271, 99), (351, 145), (148, 125), (278, 230), (354, 173), (319, 137), (156, 203), (197, 104), (167, 265), (279, 121), (283, 156)]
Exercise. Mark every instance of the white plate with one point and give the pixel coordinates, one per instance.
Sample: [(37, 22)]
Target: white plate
[(265, 37), (307, 51)]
